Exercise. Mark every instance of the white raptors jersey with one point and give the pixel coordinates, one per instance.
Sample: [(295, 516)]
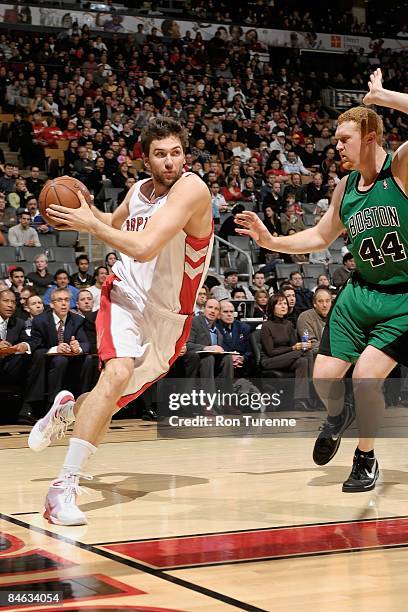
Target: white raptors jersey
[(172, 279)]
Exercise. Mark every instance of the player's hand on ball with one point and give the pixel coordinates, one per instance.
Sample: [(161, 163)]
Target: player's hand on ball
[(81, 219), (375, 88), (251, 225)]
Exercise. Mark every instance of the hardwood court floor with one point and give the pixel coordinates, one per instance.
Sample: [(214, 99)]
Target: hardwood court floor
[(206, 524)]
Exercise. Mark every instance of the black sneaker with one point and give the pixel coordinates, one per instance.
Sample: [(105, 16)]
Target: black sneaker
[(329, 438), (363, 475)]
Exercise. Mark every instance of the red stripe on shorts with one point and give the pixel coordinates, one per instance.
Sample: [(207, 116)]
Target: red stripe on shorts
[(106, 348)]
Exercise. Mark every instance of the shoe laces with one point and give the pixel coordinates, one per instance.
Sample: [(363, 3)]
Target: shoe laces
[(328, 429), (359, 466), (57, 425), (70, 483)]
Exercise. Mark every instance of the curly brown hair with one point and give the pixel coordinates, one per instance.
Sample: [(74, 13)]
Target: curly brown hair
[(162, 127)]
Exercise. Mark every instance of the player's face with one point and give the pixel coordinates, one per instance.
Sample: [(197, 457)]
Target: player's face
[(166, 160), (349, 144)]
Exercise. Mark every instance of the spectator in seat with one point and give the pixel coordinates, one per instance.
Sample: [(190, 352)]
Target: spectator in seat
[(323, 257), (295, 186), (280, 349), (293, 163), (205, 336), (218, 202), (84, 308), (34, 182), (8, 180), (228, 226), (231, 282), (121, 176), (83, 166), (202, 297), (18, 198), (304, 297), (130, 181), (110, 260), (290, 295), (71, 156), (81, 279), (12, 333), (100, 275), (258, 281), (59, 333), (232, 192), (342, 274), (324, 281), (34, 307), (37, 222), (238, 294), (61, 280), (261, 304), (41, 279), (97, 179), (274, 199), (235, 337), (314, 320), (8, 216), (291, 220), (17, 281), (21, 310), (316, 190), (22, 234)]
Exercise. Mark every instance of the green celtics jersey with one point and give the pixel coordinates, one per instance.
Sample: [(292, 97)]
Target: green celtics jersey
[(377, 226)]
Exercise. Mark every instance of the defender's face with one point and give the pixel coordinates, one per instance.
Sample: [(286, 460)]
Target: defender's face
[(165, 160), (349, 143)]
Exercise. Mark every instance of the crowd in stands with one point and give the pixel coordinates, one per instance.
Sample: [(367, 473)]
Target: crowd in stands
[(259, 137)]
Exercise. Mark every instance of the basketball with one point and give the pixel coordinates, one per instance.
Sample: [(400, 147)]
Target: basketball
[(63, 192)]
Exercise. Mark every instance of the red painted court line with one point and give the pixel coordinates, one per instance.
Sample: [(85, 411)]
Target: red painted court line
[(288, 541)]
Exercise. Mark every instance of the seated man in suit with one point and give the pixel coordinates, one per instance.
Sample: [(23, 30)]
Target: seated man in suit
[(12, 333), (84, 307), (235, 337), (62, 333), (205, 336)]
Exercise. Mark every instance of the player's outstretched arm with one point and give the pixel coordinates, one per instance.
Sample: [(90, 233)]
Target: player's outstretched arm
[(187, 198), (399, 101), (380, 96), (313, 239)]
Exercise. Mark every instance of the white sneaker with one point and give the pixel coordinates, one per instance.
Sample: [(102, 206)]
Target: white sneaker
[(60, 503), (53, 426)]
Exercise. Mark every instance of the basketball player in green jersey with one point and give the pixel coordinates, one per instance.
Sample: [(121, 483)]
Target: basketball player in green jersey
[(368, 324)]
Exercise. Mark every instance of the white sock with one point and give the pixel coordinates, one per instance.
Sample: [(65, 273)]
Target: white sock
[(78, 453), (67, 412)]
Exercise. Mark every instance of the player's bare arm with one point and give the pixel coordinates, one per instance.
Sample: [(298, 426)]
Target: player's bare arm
[(313, 239), (188, 207), (380, 96)]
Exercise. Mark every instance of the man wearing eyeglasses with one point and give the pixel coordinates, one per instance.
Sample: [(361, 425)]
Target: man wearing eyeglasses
[(59, 345)]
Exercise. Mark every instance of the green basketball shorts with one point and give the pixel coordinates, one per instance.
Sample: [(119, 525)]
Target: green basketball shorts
[(361, 316)]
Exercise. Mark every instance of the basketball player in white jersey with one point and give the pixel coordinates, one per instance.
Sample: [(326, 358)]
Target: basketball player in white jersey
[(164, 232)]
